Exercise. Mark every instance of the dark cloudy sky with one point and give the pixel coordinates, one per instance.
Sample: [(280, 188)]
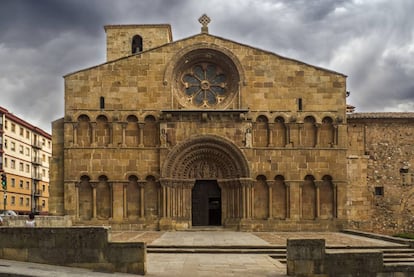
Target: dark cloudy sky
[(370, 41)]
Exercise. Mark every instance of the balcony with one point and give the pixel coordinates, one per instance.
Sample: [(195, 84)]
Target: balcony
[(37, 144), (36, 176), (38, 193), (36, 160)]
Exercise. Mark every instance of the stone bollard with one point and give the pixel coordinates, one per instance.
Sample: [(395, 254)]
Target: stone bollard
[(305, 257)]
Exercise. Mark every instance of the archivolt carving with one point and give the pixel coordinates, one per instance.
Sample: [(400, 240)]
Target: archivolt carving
[(205, 157)]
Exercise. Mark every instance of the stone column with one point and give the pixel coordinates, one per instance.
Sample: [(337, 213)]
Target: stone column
[(335, 134), (318, 200), (335, 201), (318, 133), (300, 201), (125, 201), (93, 136), (270, 193), (75, 133), (123, 126), (287, 185), (93, 185), (270, 128), (111, 134), (141, 134), (141, 185), (247, 194), (77, 184)]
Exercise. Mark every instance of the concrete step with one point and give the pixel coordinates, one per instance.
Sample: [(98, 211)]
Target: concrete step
[(214, 251), (279, 247)]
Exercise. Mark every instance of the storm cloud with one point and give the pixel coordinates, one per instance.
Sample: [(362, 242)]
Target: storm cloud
[(370, 41)]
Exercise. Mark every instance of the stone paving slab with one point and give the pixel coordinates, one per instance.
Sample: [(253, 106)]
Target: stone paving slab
[(331, 238), (207, 265), (212, 238), (209, 238)]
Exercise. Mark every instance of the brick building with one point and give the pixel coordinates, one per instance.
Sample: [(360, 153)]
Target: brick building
[(204, 131)]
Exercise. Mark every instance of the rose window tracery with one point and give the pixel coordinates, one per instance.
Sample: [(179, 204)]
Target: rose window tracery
[(205, 84)]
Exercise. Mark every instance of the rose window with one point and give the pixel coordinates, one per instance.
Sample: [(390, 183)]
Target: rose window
[(205, 85)]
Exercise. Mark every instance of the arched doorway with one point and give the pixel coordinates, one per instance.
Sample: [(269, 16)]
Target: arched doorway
[(206, 203), (205, 182)]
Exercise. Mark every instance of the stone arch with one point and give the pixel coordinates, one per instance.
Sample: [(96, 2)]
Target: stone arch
[(84, 131), (261, 131), (133, 197), (279, 196), (103, 198), (309, 198), (326, 198), (85, 198), (261, 198), (151, 137), (205, 157), (326, 136), (279, 132), (151, 196), (132, 131), (136, 44), (102, 132), (309, 132)]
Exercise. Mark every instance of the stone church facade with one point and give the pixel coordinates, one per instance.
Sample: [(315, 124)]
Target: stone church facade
[(206, 131)]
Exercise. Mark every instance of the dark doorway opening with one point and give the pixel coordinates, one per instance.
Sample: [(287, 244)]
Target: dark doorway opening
[(206, 203)]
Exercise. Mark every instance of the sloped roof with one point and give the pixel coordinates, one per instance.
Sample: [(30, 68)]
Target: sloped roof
[(381, 115), (216, 37)]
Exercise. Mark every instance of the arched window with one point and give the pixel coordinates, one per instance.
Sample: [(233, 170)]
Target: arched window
[(102, 102), (261, 198), (309, 132), (136, 44), (326, 137), (279, 132), (261, 132)]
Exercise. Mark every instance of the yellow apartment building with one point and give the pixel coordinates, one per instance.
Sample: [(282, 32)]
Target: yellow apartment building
[(25, 151)]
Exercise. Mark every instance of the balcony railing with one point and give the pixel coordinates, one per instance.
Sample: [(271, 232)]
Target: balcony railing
[(37, 144), (38, 193), (36, 176), (37, 160)]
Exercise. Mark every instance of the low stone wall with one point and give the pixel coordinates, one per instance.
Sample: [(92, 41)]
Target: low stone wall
[(41, 221), (309, 258), (85, 247)]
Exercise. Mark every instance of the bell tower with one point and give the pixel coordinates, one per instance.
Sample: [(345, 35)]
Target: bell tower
[(126, 40)]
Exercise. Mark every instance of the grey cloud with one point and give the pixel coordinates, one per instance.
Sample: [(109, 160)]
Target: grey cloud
[(370, 41)]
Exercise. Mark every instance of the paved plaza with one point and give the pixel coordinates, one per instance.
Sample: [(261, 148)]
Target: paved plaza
[(188, 264)]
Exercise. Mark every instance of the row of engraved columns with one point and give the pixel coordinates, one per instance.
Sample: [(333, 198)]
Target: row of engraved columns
[(176, 199), (334, 200), (110, 135), (94, 200), (271, 185), (115, 196), (237, 198)]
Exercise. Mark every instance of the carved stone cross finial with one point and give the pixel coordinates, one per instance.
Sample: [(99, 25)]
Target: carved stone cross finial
[(204, 20)]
